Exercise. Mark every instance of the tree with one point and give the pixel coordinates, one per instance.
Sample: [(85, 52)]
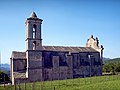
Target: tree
[(4, 78), (117, 68), (112, 67)]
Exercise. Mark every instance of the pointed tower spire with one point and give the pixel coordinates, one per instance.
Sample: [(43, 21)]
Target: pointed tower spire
[(33, 15)]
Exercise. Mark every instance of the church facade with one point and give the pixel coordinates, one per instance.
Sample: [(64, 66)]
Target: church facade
[(40, 63)]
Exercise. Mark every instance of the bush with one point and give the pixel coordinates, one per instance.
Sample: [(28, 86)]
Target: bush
[(4, 78), (111, 67)]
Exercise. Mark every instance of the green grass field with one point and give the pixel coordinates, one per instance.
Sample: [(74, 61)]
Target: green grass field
[(93, 83)]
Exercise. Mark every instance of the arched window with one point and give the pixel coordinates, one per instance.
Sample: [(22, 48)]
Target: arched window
[(34, 31), (34, 45)]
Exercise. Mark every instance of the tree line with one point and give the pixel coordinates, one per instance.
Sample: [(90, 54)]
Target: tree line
[(112, 66)]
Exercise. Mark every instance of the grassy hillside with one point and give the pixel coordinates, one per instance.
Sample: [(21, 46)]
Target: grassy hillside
[(93, 83)]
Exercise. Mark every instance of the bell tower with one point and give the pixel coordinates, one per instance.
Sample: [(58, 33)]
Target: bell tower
[(33, 46), (33, 32)]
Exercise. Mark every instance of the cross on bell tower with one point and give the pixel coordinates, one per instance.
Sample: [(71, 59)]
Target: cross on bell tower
[(33, 32)]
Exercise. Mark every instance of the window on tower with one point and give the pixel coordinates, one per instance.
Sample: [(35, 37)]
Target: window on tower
[(34, 45), (34, 31)]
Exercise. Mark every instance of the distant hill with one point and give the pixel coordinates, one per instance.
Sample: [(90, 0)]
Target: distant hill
[(5, 65), (111, 60), (104, 58), (5, 68)]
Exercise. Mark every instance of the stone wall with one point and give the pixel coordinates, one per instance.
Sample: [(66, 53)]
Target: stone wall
[(34, 75), (19, 65), (86, 64), (34, 65), (69, 61)]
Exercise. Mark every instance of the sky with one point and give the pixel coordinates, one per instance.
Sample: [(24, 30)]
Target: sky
[(65, 23)]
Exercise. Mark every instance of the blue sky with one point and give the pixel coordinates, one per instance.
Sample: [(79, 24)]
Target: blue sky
[(65, 22)]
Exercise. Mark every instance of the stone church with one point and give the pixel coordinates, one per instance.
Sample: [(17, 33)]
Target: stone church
[(40, 63)]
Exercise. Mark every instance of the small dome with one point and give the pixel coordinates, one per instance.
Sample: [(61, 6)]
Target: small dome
[(33, 15)]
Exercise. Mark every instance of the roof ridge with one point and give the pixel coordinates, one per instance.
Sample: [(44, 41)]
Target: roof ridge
[(69, 48), (61, 46)]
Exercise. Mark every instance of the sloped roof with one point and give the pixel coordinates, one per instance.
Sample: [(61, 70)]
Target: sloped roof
[(19, 75), (68, 49), (22, 55), (18, 55), (34, 17)]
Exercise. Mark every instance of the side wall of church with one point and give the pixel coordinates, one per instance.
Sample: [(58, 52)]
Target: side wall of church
[(61, 65), (55, 66), (83, 64), (86, 64)]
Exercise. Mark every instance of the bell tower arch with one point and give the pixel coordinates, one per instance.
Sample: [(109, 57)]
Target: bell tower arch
[(33, 32)]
